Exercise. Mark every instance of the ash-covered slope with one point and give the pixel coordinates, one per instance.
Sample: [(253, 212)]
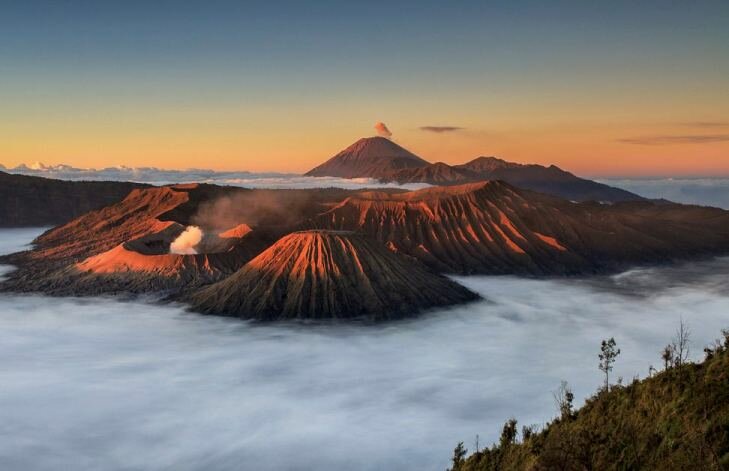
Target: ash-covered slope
[(134, 217), (147, 265), (371, 157), (328, 275), (27, 201), (128, 246), (495, 228)]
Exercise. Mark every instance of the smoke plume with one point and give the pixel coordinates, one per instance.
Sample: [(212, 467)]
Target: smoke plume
[(382, 130), (254, 208), (186, 242)]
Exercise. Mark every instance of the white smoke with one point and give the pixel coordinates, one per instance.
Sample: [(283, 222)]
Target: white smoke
[(186, 242), (382, 129)]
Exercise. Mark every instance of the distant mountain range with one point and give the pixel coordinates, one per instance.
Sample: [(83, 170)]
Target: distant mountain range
[(381, 158), (27, 201)]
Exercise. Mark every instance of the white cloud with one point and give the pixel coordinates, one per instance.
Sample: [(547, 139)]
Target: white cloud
[(159, 176), (102, 384), (703, 191)]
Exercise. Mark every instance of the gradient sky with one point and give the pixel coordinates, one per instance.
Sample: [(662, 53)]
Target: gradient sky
[(615, 88)]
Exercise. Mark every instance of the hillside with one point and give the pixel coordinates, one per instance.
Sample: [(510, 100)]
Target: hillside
[(676, 420), (328, 275), (495, 228), (27, 201)]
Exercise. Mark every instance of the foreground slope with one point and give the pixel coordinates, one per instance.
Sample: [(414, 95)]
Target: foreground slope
[(676, 420), (323, 275), (495, 228), (27, 201)]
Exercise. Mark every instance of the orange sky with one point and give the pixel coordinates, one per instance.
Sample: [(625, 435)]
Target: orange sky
[(598, 88), (684, 148)]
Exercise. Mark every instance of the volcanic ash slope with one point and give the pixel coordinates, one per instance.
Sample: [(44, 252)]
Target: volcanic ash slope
[(328, 275)]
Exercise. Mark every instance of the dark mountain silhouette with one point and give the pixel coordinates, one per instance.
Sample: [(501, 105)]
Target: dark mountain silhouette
[(551, 180), (325, 275), (27, 201), (386, 161), (370, 157)]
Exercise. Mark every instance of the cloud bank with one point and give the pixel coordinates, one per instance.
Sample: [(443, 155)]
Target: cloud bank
[(702, 191), (101, 384), (157, 176)]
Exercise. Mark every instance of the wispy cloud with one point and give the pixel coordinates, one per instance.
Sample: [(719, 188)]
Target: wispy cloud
[(706, 124), (440, 129), (666, 139)]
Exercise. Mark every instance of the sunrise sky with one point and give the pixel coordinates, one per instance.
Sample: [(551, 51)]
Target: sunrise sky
[(619, 88)]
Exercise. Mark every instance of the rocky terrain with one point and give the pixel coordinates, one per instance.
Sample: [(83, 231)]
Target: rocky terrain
[(380, 158), (126, 247), (176, 239), (495, 228), (27, 201), (328, 275)]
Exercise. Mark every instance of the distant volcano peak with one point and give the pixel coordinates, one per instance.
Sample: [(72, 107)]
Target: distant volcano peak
[(369, 157)]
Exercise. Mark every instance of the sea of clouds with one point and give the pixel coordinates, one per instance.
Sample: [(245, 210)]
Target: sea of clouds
[(704, 191), (157, 176), (103, 384)]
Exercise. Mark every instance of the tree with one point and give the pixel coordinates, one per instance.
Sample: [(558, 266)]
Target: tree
[(667, 356), (607, 356), (508, 434), (459, 457), (681, 344), (563, 398)]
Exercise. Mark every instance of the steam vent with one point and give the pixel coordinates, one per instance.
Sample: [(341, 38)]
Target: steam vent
[(328, 274)]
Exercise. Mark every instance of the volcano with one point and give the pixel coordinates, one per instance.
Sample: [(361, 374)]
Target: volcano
[(371, 157), (495, 228), (382, 159), (328, 275)]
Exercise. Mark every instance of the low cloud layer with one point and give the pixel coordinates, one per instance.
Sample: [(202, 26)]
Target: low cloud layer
[(157, 176), (702, 191), (667, 139), (440, 129), (136, 386), (382, 130)]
